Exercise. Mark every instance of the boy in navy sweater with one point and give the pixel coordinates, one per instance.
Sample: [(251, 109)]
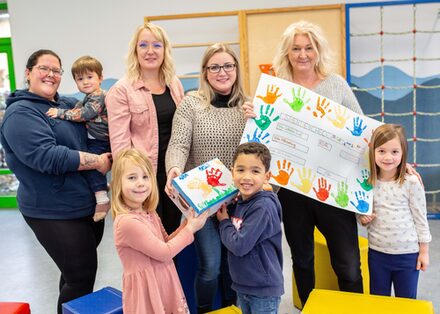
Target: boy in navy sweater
[(252, 234)]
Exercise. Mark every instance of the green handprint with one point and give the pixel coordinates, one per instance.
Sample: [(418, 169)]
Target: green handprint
[(305, 177), (298, 100), (365, 176), (264, 121), (342, 197)]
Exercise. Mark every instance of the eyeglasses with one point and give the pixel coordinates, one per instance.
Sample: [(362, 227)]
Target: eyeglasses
[(156, 45), (215, 68), (44, 70)]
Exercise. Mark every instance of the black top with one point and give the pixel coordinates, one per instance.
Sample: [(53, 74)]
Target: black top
[(220, 101), (165, 108)]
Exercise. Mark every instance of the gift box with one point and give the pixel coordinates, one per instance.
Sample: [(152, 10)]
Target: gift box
[(205, 187), (108, 300)]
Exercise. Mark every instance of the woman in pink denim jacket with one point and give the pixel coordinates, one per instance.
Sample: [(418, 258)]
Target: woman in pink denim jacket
[(141, 107)]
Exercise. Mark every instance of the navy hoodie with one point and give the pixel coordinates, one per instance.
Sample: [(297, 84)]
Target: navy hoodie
[(253, 238), (43, 154)]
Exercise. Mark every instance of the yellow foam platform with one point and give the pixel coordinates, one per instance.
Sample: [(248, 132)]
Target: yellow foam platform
[(325, 277), (337, 302), (227, 310)]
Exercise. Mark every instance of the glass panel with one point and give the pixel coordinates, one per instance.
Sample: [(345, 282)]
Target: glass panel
[(8, 182)]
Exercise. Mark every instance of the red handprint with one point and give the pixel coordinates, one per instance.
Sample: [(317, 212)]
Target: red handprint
[(323, 192), (213, 176), (284, 172)]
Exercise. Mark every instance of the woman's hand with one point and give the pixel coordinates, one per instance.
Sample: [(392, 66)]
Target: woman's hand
[(173, 173), (106, 163), (196, 223), (88, 161), (410, 170), (248, 110)]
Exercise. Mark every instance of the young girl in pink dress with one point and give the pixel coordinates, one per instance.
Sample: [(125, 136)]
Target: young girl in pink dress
[(150, 281)]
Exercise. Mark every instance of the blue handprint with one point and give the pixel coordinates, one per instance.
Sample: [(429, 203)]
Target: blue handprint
[(357, 126), (203, 167), (258, 137), (183, 176), (264, 121), (362, 205)]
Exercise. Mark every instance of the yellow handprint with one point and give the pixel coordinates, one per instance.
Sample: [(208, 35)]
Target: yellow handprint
[(271, 95), (198, 184), (306, 181), (341, 117), (284, 172)]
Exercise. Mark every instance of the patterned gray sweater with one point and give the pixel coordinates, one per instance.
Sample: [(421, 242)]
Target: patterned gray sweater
[(203, 132)]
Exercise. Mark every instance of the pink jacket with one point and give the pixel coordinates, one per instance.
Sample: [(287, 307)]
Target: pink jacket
[(132, 118)]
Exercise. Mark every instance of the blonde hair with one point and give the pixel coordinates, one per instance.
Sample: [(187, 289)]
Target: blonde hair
[(166, 71), (85, 64), (206, 92), (381, 135), (137, 158), (281, 63)]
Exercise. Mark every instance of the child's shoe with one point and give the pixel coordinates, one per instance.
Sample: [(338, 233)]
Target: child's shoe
[(101, 211)]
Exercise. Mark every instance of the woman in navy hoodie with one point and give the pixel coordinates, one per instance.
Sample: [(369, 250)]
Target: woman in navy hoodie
[(46, 155)]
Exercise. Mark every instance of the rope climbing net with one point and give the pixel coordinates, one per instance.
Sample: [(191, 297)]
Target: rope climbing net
[(382, 87)]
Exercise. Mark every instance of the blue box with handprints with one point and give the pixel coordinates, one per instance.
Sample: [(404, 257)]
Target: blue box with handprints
[(207, 186)]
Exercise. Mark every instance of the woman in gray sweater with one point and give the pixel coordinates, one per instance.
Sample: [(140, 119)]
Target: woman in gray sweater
[(209, 124)]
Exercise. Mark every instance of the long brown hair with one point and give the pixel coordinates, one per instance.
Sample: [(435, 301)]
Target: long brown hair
[(381, 135)]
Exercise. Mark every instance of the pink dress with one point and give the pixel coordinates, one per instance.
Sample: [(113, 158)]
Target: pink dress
[(150, 280)]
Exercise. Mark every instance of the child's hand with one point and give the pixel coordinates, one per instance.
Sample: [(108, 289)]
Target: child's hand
[(222, 213), (196, 223), (423, 258), (366, 219), (52, 112)]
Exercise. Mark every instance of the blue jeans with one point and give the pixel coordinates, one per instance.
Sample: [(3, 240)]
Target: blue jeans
[(212, 261), (250, 304), (96, 180), (396, 269)]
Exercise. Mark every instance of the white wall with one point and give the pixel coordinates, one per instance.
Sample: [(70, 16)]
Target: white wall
[(102, 28)]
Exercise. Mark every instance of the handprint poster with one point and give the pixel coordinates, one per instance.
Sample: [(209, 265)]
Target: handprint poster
[(319, 148), (207, 186)]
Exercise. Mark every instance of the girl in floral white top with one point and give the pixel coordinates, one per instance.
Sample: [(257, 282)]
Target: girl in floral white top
[(398, 230)]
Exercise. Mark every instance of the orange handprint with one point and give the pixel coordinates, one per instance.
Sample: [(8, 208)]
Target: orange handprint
[(284, 172), (271, 95), (322, 107), (323, 192)]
